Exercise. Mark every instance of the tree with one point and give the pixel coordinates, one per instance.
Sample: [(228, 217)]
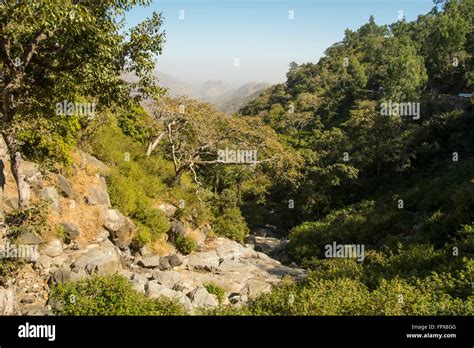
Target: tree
[(52, 51)]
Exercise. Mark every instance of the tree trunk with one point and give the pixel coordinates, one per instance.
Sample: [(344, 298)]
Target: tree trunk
[(23, 187), (177, 177), (153, 144)]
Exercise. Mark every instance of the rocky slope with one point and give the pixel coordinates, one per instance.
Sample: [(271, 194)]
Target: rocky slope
[(95, 240)]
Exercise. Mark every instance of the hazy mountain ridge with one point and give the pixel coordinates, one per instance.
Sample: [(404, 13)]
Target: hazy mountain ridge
[(227, 97)]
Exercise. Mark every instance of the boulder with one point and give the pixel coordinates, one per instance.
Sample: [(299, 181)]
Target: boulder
[(255, 287), (177, 228), (50, 194), (65, 186), (139, 282), (155, 290), (52, 248), (98, 196), (151, 261), (175, 260), (120, 228), (60, 276), (165, 264), (43, 262), (29, 238), (200, 298), (88, 160), (168, 209), (207, 260), (101, 259), (167, 278), (227, 249), (71, 230), (8, 303)]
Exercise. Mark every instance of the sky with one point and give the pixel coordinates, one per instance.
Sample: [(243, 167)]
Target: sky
[(239, 41)]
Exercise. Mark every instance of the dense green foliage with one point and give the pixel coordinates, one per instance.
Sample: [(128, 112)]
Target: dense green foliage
[(108, 296)]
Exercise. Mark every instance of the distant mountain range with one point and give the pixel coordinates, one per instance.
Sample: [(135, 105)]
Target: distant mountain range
[(228, 98)]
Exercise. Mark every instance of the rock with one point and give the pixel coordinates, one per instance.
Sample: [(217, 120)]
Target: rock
[(30, 170), (177, 228), (201, 298), (155, 290), (52, 248), (38, 310), (50, 194), (167, 278), (145, 251), (255, 287), (175, 260), (149, 261), (184, 301), (29, 238), (12, 202), (227, 249), (168, 209), (88, 160), (207, 260), (183, 287), (8, 304), (120, 228), (139, 282), (98, 196), (231, 265), (102, 236), (165, 264), (71, 230), (65, 186), (60, 276), (44, 262), (102, 259)]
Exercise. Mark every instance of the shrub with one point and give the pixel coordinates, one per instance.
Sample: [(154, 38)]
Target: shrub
[(215, 289), (231, 224), (108, 296), (27, 220), (185, 245)]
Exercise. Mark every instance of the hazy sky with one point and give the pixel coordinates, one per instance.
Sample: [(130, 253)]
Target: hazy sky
[(259, 34)]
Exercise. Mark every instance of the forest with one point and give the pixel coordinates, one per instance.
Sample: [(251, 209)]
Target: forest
[(371, 146)]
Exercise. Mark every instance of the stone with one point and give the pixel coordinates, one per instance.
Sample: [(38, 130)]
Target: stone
[(227, 249), (145, 251), (165, 264), (29, 238), (71, 230), (167, 278), (206, 260), (44, 262), (149, 261), (88, 160), (177, 228), (120, 227), (175, 260), (65, 186), (101, 259), (184, 301), (255, 287), (183, 287), (50, 194), (155, 290), (139, 282), (8, 303), (60, 276), (168, 209), (52, 248), (98, 196), (200, 298), (102, 236)]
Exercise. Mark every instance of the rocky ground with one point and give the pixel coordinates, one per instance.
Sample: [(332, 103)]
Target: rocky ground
[(96, 241)]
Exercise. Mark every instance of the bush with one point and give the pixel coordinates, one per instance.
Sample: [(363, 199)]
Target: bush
[(27, 220), (108, 296), (231, 224), (185, 245), (215, 289)]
